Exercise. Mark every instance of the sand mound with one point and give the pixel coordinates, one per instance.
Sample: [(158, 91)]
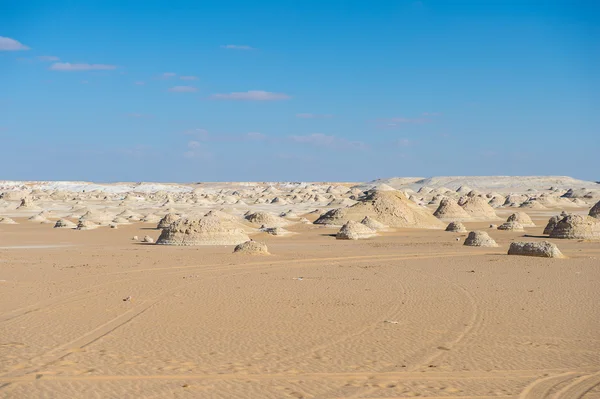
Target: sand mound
[(595, 211), (86, 225), (96, 217), (266, 219), (252, 248), (522, 218), (27, 203), (374, 224), (456, 227), (577, 227), (167, 220), (277, 231), (7, 221), (354, 230), (64, 224), (39, 218), (542, 249), (388, 207), (532, 204), (478, 208), (496, 202), (552, 222), (449, 210), (480, 239), (511, 226), (205, 231)]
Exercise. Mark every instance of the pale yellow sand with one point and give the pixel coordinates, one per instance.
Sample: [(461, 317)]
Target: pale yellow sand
[(408, 313)]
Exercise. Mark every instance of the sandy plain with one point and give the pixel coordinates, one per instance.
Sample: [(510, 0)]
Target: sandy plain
[(410, 313)]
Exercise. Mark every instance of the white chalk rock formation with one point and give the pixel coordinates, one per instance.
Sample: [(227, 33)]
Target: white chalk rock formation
[(354, 230), (480, 239), (543, 249)]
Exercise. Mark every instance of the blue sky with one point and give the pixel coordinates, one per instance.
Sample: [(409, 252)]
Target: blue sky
[(298, 90)]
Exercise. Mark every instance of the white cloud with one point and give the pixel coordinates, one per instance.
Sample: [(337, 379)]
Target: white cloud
[(323, 140), (188, 78), (67, 66), (183, 89), (314, 116), (167, 75), (237, 47), (48, 58), (193, 144), (252, 95), (8, 44)]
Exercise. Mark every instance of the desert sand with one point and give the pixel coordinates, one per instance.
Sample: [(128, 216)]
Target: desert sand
[(407, 312)]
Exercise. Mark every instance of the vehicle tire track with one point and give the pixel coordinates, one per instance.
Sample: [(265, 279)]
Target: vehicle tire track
[(541, 387), (578, 388)]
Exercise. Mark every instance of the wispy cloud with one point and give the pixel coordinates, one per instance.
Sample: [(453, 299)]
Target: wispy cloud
[(68, 67), (183, 89), (139, 83), (252, 95), (333, 142), (188, 78), (256, 136), (237, 47), (196, 150), (168, 75), (47, 58), (314, 116), (8, 44), (198, 133), (431, 113), (403, 142)]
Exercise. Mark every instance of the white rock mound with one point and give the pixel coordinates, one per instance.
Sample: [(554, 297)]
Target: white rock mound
[(391, 208), (552, 222), (577, 227), (354, 230), (64, 224), (543, 249), (595, 211), (511, 226), (252, 248), (449, 210), (522, 218), (480, 239), (456, 227), (205, 231)]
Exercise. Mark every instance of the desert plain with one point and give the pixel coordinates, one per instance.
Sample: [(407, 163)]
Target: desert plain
[(96, 307)]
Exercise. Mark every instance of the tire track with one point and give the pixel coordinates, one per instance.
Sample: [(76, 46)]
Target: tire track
[(540, 388), (396, 375), (579, 387), (474, 322), (104, 329), (73, 296)]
